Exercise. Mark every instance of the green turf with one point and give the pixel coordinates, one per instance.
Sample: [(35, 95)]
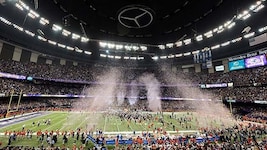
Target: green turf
[(65, 121)]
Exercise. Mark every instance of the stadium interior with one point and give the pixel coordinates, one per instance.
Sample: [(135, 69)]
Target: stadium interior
[(136, 74)]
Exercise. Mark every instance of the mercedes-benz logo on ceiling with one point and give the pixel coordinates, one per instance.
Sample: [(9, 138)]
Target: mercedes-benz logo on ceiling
[(135, 16)]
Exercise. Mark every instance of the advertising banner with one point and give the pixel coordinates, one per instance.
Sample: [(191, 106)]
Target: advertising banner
[(255, 61), (236, 65), (219, 68)]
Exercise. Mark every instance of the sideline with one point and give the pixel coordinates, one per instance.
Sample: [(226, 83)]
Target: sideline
[(20, 118)]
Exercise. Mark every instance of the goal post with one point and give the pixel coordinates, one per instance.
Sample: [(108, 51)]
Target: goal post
[(20, 95), (9, 104)]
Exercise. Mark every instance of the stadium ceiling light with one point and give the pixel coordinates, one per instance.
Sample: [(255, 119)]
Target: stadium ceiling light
[(133, 58), (84, 39), (17, 27), (220, 29), (231, 25), (117, 57), (70, 48), (78, 49), (34, 13), (56, 27), (141, 58), (111, 46), (66, 32), (126, 57), (187, 54), (249, 35), (187, 41), (178, 55), (227, 23), (242, 14), (118, 47), (52, 42), (24, 5), (31, 15), (246, 16), (103, 44), (225, 43), (42, 38), (169, 45), (19, 6), (205, 49), (155, 57), (259, 8), (252, 7), (208, 34), (103, 55), (171, 56), (87, 52), (44, 21), (4, 20), (75, 36), (259, 2), (162, 47), (128, 47), (110, 56), (236, 39), (199, 38), (215, 47), (178, 43), (61, 45), (163, 57), (29, 33), (195, 52), (135, 48), (263, 29), (143, 48)]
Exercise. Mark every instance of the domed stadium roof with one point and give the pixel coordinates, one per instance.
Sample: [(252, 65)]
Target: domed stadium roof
[(134, 28)]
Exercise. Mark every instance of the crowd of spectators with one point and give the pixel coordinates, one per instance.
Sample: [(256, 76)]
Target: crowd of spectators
[(34, 105), (248, 85), (89, 72), (242, 94), (7, 86)]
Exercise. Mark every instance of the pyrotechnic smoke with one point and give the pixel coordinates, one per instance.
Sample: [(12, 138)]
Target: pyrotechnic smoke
[(202, 101), (101, 95), (121, 94), (153, 91), (133, 93)]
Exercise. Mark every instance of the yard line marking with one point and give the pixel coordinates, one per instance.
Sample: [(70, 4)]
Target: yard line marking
[(54, 124), (104, 129), (27, 122), (117, 124)]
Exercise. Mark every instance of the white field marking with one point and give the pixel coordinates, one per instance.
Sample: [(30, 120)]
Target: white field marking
[(84, 120), (51, 125), (136, 132), (117, 125), (128, 124), (71, 123), (104, 128), (27, 125)]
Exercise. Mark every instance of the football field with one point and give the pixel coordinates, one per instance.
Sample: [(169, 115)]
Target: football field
[(65, 121), (111, 125)]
